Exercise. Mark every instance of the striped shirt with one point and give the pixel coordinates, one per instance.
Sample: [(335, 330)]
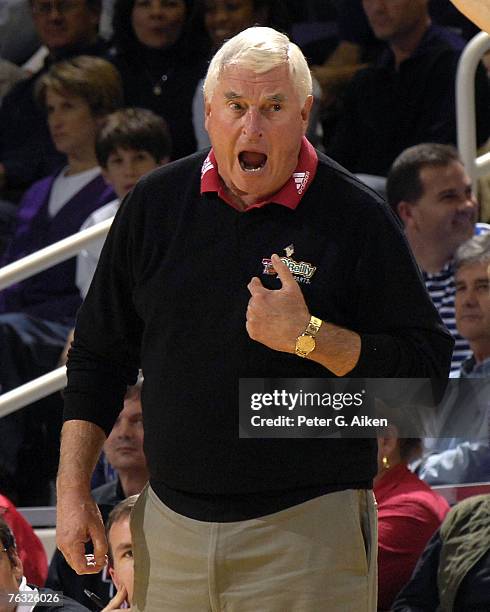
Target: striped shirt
[(441, 289)]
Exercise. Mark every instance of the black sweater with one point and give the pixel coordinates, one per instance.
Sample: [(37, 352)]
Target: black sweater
[(170, 294)]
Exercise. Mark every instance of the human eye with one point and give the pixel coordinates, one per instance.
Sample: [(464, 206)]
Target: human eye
[(143, 3), (115, 160), (235, 106), (128, 554)]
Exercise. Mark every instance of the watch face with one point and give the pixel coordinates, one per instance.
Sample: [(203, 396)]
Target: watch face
[(305, 344)]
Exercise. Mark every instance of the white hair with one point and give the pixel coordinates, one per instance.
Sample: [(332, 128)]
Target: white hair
[(260, 49)]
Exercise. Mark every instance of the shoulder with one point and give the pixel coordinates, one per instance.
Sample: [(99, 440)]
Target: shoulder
[(173, 183), (475, 509), (70, 605), (101, 214), (107, 493), (353, 192)]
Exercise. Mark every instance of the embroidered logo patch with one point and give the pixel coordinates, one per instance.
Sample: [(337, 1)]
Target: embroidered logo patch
[(207, 165), (301, 270), (301, 180)]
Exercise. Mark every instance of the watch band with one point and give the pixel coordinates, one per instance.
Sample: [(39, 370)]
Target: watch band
[(313, 326), (305, 343)]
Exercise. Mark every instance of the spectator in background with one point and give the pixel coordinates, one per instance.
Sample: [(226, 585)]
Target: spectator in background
[(67, 28), (120, 553), (431, 193), (453, 573), (18, 36), (461, 453), (131, 143), (37, 314), (29, 546), (408, 510), (160, 62), (124, 450), (221, 21), (407, 97), (13, 581)]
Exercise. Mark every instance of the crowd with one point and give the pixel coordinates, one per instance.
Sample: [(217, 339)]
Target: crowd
[(114, 90)]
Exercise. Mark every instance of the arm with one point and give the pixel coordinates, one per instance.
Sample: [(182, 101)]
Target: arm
[(386, 326), (78, 518), (277, 318), (420, 594)]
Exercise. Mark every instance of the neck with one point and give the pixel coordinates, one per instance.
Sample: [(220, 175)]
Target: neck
[(405, 44), (81, 162), (133, 482), (428, 257), (481, 349)]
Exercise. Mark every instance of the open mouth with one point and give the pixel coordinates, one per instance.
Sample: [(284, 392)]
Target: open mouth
[(250, 161)]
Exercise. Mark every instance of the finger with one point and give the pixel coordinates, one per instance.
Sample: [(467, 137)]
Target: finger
[(285, 276), (118, 599), (75, 556), (255, 285), (100, 546)]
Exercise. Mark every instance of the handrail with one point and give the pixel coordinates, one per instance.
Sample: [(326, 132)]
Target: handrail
[(32, 391), (23, 268), (52, 254), (475, 165)]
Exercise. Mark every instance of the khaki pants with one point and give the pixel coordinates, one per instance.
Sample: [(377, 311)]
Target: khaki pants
[(313, 557)]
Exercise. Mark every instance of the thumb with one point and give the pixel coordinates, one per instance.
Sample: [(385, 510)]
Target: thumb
[(255, 285)]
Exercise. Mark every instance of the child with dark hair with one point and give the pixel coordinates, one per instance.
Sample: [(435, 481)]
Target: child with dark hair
[(131, 143)]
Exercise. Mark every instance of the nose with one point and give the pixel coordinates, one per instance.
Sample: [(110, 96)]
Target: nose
[(220, 16), (55, 119), (252, 125), (156, 8), (124, 429), (468, 204)]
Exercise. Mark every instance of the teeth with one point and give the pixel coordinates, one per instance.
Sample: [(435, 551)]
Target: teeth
[(248, 168)]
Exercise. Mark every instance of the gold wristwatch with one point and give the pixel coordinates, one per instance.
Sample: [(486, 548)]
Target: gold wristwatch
[(306, 343)]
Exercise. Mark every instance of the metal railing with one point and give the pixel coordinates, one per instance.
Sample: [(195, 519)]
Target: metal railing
[(476, 166), (53, 254), (23, 268)]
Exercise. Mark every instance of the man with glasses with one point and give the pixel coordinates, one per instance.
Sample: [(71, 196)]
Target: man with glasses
[(66, 28)]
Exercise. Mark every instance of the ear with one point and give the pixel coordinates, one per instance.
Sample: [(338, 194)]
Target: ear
[(405, 210), (306, 110), (388, 441), (105, 175), (207, 113), (17, 567)]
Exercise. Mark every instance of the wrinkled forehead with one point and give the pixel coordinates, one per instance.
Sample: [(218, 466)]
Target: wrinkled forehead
[(473, 271), (245, 82)]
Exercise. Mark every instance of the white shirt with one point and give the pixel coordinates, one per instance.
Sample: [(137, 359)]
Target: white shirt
[(88, 258)]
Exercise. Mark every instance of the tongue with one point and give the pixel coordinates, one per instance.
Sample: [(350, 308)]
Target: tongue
[(253, 160)]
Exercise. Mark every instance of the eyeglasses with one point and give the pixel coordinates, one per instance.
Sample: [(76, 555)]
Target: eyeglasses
[(60, 6)]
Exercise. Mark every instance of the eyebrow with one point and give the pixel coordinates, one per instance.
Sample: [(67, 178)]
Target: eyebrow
[(123, 547), (233, 95)]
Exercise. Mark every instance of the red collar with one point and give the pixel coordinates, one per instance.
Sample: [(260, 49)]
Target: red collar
[(290, 193)]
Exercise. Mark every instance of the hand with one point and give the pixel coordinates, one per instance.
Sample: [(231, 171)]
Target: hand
[(277, 317), (118, 600), (78, 521)]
